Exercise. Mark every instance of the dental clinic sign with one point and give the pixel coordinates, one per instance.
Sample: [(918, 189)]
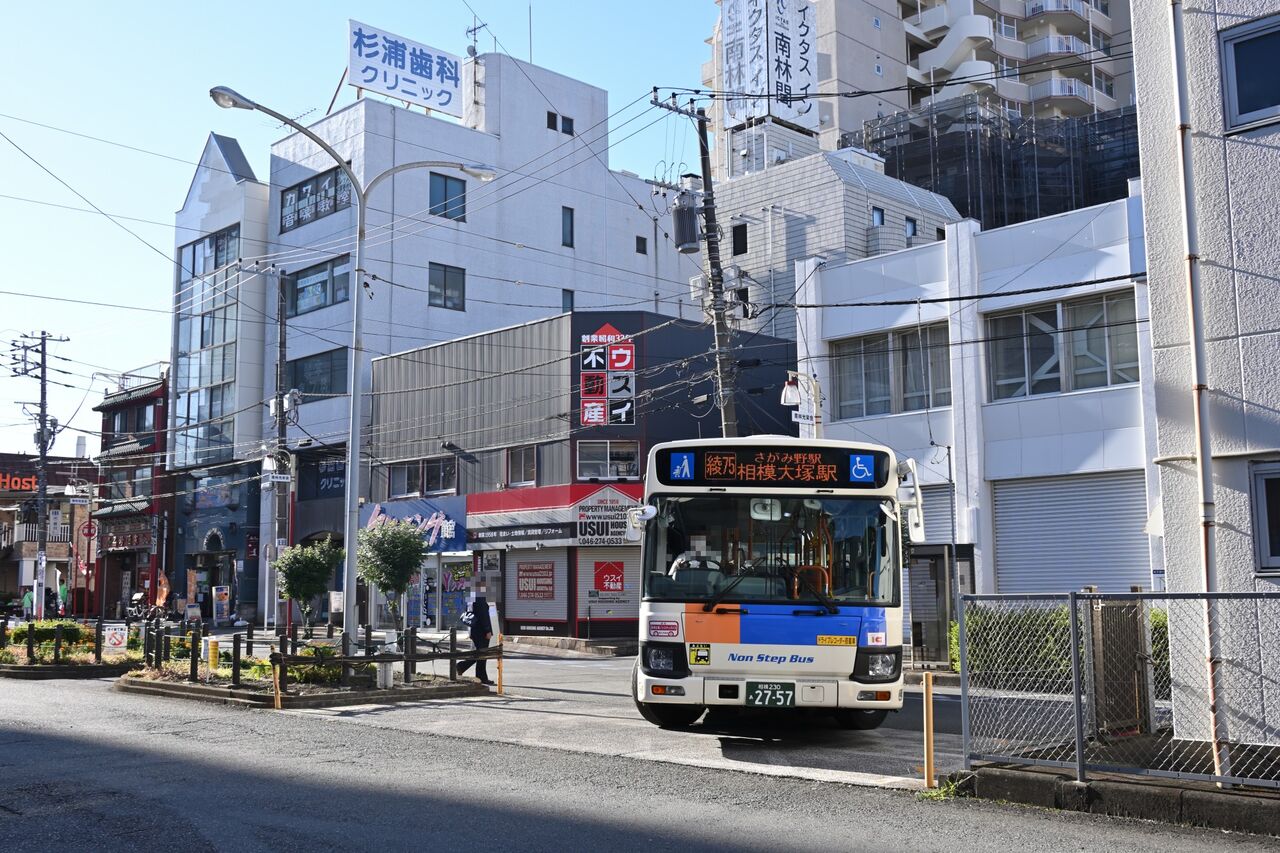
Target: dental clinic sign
[(391, 65), (442, 521)]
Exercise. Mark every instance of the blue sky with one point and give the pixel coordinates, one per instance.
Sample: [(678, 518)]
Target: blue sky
[(138, 75)]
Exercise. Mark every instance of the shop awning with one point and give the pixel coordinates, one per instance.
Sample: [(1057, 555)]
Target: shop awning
[(131, 506)]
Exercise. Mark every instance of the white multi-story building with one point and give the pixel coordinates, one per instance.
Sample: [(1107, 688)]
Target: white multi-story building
[(447, 255), (1027, 407)]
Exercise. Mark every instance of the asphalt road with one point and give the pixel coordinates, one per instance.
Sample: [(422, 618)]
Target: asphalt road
[(86, 768)]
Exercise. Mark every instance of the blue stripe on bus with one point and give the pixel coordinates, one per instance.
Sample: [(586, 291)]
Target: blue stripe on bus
[(778, 623)]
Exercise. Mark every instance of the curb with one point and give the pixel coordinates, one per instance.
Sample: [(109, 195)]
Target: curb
[(1163, 801), (41, 672), (255, 699), (614, 647)]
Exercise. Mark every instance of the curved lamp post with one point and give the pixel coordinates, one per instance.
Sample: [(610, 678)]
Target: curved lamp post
[(230, 99)]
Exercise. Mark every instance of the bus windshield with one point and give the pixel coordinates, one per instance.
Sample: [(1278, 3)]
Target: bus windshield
[(786, 548)]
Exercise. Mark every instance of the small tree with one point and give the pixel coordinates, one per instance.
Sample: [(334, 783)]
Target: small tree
[(304, 574), (388, 556)]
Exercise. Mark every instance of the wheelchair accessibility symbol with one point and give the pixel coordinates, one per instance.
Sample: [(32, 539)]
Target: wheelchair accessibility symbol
[(862, 468)]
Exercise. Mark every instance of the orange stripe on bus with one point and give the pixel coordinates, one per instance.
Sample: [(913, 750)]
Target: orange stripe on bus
[(702, 627)]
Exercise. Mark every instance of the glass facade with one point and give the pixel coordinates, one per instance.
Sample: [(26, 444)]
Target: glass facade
[(205, 349)]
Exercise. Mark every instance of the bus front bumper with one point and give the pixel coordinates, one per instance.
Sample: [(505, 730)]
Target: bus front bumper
[(731, 690)]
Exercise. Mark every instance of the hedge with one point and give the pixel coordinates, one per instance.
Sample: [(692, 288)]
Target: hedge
[(46, 629)]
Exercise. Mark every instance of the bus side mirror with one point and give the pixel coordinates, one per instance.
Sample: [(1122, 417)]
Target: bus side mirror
[(637, 518), (915, 505)]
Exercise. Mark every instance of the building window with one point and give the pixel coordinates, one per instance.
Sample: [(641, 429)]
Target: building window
[(205, 311), (903, 371), (566, 227), (875, 22), (318, 287), (642, 245), (448, 197), (1252, 86), (1266, 521), (912, 227), (566, 300), (440, 476), (740, 238), (877, 217), (522, 466), (940, 233), (608, 460), (1007, 26), (320, 375), (447, 287), (879, 70), (1066, 346), (1104, 83), (314, 198), (553, 121), (405, 480), (566, 125)]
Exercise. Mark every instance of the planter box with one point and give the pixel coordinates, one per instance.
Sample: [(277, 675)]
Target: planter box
[(256, 699), (65, 670)]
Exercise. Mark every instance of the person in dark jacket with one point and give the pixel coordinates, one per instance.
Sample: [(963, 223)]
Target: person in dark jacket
[(481, 634)]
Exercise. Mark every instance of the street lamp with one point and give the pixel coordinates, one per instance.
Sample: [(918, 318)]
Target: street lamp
[(792, 396), (230, 99)]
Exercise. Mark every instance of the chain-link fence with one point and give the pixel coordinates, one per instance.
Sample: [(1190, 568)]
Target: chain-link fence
[(1159, 684)]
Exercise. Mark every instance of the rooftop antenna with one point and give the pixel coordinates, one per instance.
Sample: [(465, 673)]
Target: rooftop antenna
[(472, 32)]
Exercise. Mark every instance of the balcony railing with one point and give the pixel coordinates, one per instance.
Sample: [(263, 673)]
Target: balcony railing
[(1057, 45), (6, 535), (31, 533), (1046, 7), (1062, 87)]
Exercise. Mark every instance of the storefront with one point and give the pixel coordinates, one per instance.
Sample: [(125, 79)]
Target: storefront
[(443, 590), (130, 562), (558, 560)]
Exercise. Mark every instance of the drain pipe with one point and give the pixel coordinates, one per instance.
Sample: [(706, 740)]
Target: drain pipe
[(1199, 387)]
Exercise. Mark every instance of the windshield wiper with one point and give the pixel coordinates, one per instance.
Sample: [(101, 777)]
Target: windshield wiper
[(719, 596), (822, 597)]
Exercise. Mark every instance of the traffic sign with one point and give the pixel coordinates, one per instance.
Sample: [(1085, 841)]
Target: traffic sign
[(279, 478), (88, 530), (801, 417), (79, 501)]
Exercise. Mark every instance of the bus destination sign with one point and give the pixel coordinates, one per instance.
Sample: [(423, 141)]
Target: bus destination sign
[(774, 466)]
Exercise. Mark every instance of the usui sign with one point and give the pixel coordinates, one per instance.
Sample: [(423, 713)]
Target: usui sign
[(407, 70), (768, 50)]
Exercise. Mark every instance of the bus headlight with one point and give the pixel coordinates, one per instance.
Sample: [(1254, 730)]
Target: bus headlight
[(880, 664), (663, 659)]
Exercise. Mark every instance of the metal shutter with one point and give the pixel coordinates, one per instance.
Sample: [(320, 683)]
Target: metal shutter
[(1059, 534), (613, 606), (938, 508), (556, 608)]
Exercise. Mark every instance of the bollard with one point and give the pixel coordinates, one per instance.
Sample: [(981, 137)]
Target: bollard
[(368, 640), (293, 639), (328, 631), (453, 651), (166, 648), (248, 652), (284, 668), (235, 660), (4, 632), (499, 664), (57, 644), (406, 647), (195, 654), (146, 645), (31, 641), (97, 640), (345, 678), (930, 778)]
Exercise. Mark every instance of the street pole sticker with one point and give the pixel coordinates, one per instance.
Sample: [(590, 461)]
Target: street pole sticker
[(88, 530), (115, 639)]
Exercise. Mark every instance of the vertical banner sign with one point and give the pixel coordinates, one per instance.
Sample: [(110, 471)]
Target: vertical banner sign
[(607, 390), (769, 59), (406, 70)]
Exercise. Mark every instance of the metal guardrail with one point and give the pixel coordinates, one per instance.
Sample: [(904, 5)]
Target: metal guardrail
[(1179, 685)]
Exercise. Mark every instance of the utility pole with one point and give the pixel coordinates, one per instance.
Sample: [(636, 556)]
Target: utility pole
[(280, 487), (715, 275), (46, 428)]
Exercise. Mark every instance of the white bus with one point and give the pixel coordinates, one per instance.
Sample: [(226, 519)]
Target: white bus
[(772, 578)]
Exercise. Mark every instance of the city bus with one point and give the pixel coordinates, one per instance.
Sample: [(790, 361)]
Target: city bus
[(772, 578)]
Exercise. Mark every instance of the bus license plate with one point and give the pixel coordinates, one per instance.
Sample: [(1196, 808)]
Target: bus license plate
[(771, 694)]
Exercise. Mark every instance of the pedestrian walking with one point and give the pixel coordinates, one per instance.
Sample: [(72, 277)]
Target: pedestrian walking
[(481, 634), (28, 604)]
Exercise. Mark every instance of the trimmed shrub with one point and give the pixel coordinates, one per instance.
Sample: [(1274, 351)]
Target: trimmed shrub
[(46, 629)]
